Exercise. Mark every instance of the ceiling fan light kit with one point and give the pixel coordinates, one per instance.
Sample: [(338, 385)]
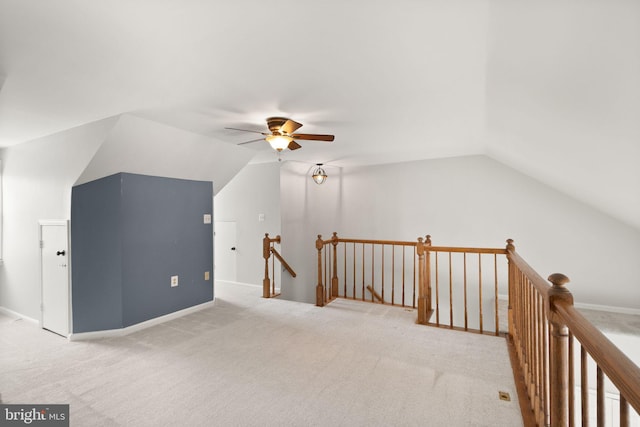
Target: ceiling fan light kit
[(279, 142), (282, 134), (319, 175)]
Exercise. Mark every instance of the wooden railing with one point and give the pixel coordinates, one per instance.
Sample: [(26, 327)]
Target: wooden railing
[(547, 333), (462, 286), (384, 271), (269, 281), (556, 352), (435, 280)]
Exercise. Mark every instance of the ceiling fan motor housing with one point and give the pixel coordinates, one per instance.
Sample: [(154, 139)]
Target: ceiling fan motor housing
[(275, 123)]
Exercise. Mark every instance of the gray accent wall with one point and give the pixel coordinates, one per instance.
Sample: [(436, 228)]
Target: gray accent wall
[(129, 234)]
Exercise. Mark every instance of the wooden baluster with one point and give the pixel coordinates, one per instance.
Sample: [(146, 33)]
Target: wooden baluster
[(422, 291), (403, 273), (413, 292), (344, 276), (334, 278), (393, 274), (427, 274), (495, 293), (382, 275), (480, 290), (363, 297), (584, 387), (540, 351), (558, 355), (511, 279), (624, 412), (266, 253), (572, 383), (437, 293), (354, 270), (327, 254), (450, 293), (373, 276), (319, 287), (600, 412), (273, 270), (464, 273)]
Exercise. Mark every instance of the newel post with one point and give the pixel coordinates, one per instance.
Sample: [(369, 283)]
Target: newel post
[(422, 284), (266, 253), (511, 286), (334, 276), (559, 352), (319, 287)]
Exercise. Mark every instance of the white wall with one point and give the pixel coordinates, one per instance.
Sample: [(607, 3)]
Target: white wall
[(38, 177), (37, 181), (254, 190), (463, 201)]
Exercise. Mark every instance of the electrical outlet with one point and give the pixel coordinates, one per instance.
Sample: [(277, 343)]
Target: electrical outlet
[(174, 281), (206, 275)]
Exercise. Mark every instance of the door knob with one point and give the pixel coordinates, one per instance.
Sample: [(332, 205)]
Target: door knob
[(62, 252)]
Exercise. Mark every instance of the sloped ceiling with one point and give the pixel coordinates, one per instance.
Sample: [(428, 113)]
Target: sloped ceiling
[(141, 146), (551, 88)]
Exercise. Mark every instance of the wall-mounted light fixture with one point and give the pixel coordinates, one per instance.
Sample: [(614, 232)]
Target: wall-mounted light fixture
[(319, 175)]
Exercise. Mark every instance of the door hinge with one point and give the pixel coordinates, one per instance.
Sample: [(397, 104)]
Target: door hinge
[(41, 244)]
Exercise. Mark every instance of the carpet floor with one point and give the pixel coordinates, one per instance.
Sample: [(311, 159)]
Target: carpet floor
[(249, 361)]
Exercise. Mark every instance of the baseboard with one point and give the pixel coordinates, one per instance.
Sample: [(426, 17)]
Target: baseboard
[(18, 316), (597, 307), (253, 285), (110, 333), (609, 308)]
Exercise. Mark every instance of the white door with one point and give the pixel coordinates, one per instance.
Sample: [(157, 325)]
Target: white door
[(54, 259), (225, 251)]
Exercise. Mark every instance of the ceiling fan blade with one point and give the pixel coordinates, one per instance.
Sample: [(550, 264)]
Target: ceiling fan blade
[(247, 130), (252, 141), (290, 126), (294, 145), (312, 137)]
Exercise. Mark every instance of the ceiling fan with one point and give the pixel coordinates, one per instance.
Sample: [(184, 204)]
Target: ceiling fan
[(282, 134)]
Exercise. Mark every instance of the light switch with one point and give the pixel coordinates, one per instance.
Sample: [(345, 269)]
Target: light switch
[(207, 218), (261, 217), (206, 275)]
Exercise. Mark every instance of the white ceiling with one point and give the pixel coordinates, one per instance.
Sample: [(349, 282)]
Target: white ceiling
[(551, 88)]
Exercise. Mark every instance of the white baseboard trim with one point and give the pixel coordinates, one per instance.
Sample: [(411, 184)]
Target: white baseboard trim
[(609, 308), (18, 316), (597, 307), (253, 285), (110, 333)]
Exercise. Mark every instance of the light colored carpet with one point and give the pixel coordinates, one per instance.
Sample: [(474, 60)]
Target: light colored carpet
[(249, 361)]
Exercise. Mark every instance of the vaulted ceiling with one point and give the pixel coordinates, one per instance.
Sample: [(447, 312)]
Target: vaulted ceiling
[(550, 88)]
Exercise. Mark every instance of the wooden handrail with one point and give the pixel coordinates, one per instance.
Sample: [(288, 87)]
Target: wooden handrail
[(269, 287), (283, 262), (534, 305), (372, 242), (498, 251), (622, 372), (541, 285)]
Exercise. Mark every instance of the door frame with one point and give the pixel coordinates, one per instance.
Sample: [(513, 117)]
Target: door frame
[(217, 249), (65, 223)]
